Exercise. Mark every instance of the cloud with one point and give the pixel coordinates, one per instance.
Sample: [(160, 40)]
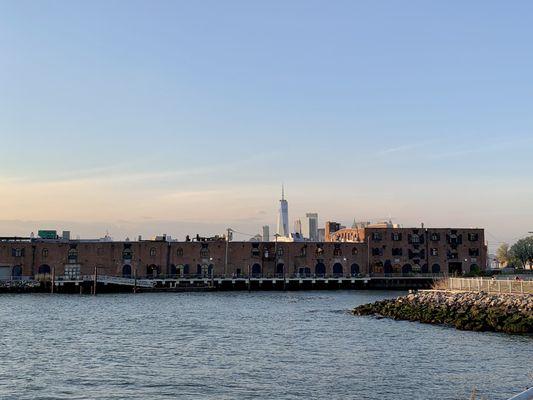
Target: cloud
[(399, 149)]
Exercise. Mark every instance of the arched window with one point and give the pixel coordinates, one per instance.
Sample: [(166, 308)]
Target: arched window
[(407, 269), (204, 252), (73, 256), (256, 270), (355, 270), (387, 267), (337, 269), (172, 271), (17, 271), (320, 269), (280, 251), (180, 252), (152, 252), (126, 271), (44, 253), (127, 254), (279, 269), (435, 268), (355, 251), (44, 269), (152, 270)]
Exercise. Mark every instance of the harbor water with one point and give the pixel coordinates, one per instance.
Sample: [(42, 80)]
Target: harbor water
[(240, 345)]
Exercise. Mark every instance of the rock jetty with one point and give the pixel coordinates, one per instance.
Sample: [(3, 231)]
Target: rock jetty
[(475, 311)]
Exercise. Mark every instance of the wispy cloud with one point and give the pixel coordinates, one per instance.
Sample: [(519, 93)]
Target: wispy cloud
[(470, 148), (404, 148)]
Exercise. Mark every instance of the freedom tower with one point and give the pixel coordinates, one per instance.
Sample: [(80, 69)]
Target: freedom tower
[(283, 215)]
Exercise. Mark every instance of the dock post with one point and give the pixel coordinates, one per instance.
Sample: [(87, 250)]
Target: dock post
[(53, 280), (95, 280)]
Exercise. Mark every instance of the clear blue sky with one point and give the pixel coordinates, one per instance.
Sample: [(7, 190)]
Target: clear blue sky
[(140, 116)]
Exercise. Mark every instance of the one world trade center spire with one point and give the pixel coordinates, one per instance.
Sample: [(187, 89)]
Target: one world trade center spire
[(283, 215)]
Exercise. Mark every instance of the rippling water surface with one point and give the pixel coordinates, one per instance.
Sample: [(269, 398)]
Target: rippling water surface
[(292, 345)]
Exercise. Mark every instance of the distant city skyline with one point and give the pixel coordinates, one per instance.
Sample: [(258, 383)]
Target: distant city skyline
[(183, 117)]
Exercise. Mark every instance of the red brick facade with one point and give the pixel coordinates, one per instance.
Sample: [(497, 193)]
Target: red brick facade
[(384, 250)]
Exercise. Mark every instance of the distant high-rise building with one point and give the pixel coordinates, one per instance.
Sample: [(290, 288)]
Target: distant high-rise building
[(283, 215), (266, 233), (321, 234), (311, 227), (298, 226)]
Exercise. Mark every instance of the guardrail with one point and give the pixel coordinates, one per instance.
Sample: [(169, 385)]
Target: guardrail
[(491, 285)]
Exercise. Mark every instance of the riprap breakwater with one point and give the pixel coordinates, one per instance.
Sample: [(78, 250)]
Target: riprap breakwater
[(510, 313)]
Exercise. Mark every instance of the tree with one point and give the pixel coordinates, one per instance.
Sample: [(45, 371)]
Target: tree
[(523, 250), (502, 253)]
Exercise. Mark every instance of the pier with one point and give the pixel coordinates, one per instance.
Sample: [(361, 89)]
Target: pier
[(97, 283)]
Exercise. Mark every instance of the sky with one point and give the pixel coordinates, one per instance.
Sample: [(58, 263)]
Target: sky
[(181, 117)]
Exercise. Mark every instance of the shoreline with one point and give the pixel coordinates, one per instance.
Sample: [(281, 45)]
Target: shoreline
[(473, 311)]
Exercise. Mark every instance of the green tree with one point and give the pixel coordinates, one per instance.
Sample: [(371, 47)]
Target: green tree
[(502, 253), (523, 250)]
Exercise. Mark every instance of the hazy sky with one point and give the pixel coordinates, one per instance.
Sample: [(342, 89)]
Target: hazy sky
[(186, 116)]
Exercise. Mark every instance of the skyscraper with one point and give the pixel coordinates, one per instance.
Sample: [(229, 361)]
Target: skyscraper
[(298, 226), (311, 227), (266, 233), (283, 215)]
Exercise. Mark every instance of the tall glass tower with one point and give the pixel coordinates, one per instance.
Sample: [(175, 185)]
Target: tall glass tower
[(283, 215)]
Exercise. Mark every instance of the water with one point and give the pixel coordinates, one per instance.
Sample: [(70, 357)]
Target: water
[(294, 345)]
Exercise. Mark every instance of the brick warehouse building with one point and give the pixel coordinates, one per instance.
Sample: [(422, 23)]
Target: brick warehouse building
[(378, 251)]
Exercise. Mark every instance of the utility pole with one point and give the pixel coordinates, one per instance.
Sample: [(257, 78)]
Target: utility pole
[(228, 237)]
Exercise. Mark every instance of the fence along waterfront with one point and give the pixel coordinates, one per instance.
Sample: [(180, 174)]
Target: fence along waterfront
[(491, 285)]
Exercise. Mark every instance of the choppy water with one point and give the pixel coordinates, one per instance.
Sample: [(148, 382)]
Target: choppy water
[(295, 345)]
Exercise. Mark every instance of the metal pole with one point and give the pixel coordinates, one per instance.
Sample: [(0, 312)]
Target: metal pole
[(135, 279), (53, 279), (95, 280), (226, 255)]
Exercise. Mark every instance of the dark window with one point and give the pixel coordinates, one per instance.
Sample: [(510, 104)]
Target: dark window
[(17, 252), (414, 239), (396, 236), (204, 252), (473, 252), (280, 252), (397, 251), (435, 237), (434, 251), (180, 252), (453, 256), (377, 251), (376, 236), (473, 237), (72, 256), (354, 251), (152, 252), (44, 253), (127, 254), (255, 252)]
